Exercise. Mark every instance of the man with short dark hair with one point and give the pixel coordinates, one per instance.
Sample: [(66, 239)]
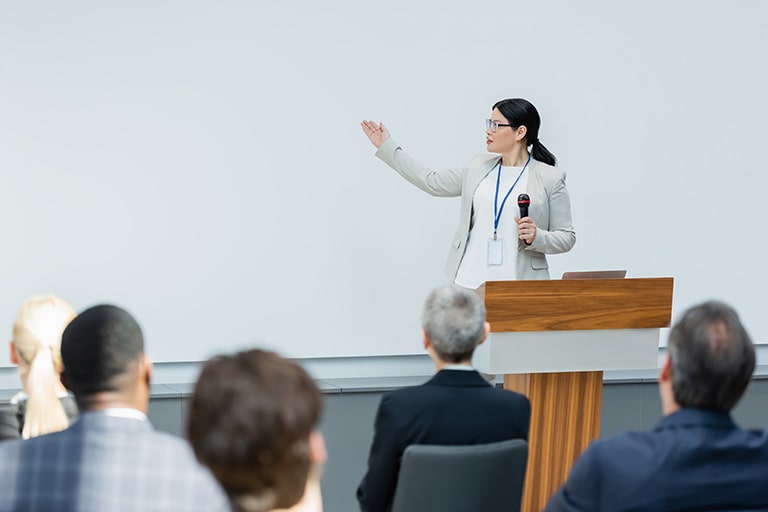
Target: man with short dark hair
[(696, 458), (456, 407), (253, 421), (110, 458)]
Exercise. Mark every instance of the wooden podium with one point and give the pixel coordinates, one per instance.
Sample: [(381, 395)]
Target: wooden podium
[(552, 340)]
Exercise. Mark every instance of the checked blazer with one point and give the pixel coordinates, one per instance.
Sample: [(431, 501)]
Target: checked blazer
[(105, 463)]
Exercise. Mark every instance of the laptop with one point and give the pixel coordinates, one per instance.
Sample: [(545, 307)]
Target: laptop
[(596, 274)]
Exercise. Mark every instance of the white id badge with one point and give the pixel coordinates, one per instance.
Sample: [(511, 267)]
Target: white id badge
[(495, 251)]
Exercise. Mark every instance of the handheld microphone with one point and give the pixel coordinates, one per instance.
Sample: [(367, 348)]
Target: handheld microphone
[(522, 202)]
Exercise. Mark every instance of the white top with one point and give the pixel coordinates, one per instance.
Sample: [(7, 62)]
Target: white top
[(474, 269), (462, 367), (122, 412)]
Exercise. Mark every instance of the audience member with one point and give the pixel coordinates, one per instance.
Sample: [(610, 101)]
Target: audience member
[(456, 407), (253, 421), (43, 405), (696, 458), (110, 458)]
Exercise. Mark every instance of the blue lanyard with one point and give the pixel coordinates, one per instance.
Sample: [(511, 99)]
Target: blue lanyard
[(496, 210)]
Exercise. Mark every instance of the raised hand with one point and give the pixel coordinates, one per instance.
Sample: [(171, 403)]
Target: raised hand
[(377, 133)]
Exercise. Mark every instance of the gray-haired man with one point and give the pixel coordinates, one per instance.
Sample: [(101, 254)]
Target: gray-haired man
[(456, 407)]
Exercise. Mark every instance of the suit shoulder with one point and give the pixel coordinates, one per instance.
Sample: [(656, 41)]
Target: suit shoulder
[(512, 396), (413, 398), (404, 394), (550, 172), (618, 448), (484, 160), (512, 401), (180, 452), (172, 443)]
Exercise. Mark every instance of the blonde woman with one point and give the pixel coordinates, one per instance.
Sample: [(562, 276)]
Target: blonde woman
[(43, 406)]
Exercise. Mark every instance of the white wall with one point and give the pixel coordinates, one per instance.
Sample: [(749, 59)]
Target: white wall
[(201, 163)]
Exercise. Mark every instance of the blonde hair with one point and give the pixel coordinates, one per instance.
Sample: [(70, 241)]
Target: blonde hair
[(37, 341)]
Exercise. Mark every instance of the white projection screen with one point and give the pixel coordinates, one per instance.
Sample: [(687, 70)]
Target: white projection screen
[(201, 162)]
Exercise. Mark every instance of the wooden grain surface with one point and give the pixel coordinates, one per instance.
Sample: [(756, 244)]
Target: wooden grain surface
[(558, 305), (565, 418)]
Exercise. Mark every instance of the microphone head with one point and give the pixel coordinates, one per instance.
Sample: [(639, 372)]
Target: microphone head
[(522, 202)]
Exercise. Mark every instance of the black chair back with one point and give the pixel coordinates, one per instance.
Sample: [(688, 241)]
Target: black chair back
[(484, 477)]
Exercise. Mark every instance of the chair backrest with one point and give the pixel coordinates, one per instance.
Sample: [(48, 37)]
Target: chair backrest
[(9, 423), (461, 478)]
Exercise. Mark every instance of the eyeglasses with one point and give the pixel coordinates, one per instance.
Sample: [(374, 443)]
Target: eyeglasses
[(493, 125)]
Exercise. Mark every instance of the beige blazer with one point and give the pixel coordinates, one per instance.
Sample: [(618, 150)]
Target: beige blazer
[(550, 205)]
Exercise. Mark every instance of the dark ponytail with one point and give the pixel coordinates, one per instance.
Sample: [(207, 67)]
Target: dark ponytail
[(542, 154), (520, 112)]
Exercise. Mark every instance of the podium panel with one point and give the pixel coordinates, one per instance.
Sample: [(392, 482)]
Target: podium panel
[(558, 351), (552, 340), (565, 418)]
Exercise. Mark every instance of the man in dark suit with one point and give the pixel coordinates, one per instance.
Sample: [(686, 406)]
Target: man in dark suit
[(456, 407), (696, 458), (110, 458)]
